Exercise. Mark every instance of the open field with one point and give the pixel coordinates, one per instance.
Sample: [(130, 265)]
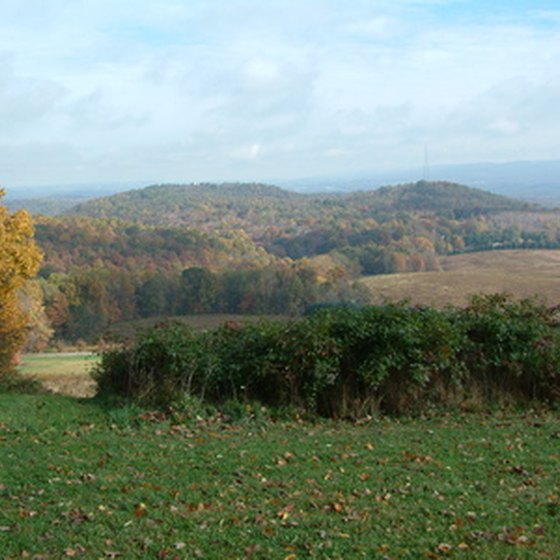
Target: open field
[(522, 273), (66, 373), (83, 480)]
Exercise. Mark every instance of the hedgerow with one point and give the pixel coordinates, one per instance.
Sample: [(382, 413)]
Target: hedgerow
[(348, 362)]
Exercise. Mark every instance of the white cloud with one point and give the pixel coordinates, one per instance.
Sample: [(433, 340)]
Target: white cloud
[(173, 89), (377, 28)]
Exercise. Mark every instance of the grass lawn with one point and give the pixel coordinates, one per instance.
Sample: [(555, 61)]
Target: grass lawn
[(44, 365), (81, 480)]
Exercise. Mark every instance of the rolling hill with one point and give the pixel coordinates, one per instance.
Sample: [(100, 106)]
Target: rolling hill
[(244, 204), (522, 273), (254, 248)]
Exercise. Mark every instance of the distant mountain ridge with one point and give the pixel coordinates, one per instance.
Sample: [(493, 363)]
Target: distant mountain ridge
[(437, 196), (251, 206)]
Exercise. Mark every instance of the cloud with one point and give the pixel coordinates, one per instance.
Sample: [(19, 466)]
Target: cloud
[(377, 28), (24, 100), (167, 89)]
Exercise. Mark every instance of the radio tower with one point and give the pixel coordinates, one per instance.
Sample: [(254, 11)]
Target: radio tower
[(426, 176)]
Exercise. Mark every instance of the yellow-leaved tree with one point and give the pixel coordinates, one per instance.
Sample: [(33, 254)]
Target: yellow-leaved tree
[(19, 260)]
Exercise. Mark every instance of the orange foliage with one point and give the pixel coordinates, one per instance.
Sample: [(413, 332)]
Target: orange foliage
[(19, 261)]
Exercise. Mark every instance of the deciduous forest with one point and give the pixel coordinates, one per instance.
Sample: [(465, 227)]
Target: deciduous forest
[(251, 248)]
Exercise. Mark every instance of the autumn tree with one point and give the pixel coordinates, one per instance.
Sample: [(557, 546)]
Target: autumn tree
[(19, 261), (39, 330)]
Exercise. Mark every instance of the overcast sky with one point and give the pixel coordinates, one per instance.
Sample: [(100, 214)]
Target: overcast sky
[(192, 90)]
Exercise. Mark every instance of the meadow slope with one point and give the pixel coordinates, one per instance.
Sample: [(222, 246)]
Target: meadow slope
[(523, 273), (87, 481)]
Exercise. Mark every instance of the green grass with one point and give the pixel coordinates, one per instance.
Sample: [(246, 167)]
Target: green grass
[(66, 373), (81, 480), (43, 365)]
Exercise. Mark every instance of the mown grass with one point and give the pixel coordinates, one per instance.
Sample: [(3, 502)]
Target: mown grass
[(523, 273), (86, 480)]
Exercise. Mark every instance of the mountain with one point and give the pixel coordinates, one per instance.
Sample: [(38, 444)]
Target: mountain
[(256, 208), (255, 248), (201, 205), (46, 206), (437, 196)]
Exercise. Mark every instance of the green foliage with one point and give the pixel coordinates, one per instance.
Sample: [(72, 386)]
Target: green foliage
[(512, 346), (345, 361), (14, 382), (158, 369)]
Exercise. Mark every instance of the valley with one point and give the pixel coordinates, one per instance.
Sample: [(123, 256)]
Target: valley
[(256, 249)]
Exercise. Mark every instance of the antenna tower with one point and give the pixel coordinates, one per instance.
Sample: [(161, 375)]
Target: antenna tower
[(426, 176)]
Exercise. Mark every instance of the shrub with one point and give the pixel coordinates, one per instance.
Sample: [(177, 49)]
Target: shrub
[(390, 357), (155, 370), (349, 362), (512, 347)]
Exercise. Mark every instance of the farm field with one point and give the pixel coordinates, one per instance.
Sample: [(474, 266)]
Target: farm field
[(66, 373), (81, 479), (522, 273)]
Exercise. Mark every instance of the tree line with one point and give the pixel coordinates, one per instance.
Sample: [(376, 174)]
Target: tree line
[(172, 250)]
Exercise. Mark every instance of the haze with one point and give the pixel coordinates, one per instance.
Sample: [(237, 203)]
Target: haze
[(208, 90)]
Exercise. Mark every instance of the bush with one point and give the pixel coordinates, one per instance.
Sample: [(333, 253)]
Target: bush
[(13, 382), (349, 362), (512, 347), (155, 370)]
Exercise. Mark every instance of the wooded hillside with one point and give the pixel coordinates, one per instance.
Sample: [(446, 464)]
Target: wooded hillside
[(253, 248)]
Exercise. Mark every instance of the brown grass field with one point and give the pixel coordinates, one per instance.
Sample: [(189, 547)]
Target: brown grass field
[(522, 273), (65, 373)]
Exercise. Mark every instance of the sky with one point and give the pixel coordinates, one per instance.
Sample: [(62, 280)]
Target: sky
[(251, 90)]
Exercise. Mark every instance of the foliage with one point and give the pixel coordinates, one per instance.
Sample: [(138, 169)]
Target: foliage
[(11, 382), (341, 362), (512, 346), (258, 248), (39, 331), (19, 261)]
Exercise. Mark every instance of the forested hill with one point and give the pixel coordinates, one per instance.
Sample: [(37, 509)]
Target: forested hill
[(441, 196), (252, 248), (202, 205), (254, 207)]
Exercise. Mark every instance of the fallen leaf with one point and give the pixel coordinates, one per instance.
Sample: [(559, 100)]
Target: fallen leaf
[(284, 513), (140, 510)]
